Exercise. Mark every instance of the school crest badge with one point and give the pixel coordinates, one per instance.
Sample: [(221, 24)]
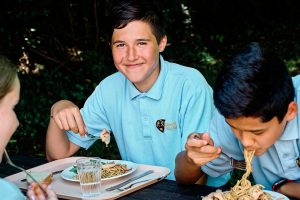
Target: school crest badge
[(160, 125)]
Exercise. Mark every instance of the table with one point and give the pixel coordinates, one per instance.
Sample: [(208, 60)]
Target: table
[(163, 190), (169, 190)]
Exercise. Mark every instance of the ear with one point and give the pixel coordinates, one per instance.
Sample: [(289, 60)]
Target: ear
[(292, 111), (162, 44)]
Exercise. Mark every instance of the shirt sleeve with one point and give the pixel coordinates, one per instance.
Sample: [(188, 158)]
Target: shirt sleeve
[(222, 136), (95, 119), (10, 191)]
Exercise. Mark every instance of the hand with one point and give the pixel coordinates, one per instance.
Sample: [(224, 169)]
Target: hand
[(105, 136), (35, 193), (67, 116), (200, 148)]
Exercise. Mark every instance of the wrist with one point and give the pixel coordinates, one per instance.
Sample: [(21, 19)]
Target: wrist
[(278, 184)]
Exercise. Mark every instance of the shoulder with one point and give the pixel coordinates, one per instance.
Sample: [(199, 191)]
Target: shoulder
[(112, 82), (10, 191), (296, 82), (114, 78), (189, 75)]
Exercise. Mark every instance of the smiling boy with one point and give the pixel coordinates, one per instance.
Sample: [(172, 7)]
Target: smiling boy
[(149, 104), (257, 103)]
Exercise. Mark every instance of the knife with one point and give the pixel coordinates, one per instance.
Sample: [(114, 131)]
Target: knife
[(129, 180)]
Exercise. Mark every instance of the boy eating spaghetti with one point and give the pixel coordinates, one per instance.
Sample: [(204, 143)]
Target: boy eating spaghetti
[(257, 103)]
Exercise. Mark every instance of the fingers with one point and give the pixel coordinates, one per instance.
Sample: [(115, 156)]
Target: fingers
[(67, 116), (200, 149), (35, 193)]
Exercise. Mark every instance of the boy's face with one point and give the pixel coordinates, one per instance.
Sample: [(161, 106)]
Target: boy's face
[(136, 53), (257, 135)]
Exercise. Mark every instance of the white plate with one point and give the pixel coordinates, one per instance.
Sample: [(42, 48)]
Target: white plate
[(69, 175), (276, 195)]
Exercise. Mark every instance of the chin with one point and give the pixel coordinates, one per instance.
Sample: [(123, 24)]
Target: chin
[(259, 152)]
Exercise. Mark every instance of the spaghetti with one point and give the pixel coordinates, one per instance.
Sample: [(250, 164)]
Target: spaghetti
[(116, 170), (108, 170), (243, 188)]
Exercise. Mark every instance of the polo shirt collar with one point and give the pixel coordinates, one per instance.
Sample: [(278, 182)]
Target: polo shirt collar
[(291, 130), (155, 91)]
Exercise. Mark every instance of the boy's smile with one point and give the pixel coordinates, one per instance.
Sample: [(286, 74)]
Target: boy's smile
[(136, 53)]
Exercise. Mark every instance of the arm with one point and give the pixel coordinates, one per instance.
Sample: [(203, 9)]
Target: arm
[(186, 172), (199, 150), (290, 189), (64, 116)]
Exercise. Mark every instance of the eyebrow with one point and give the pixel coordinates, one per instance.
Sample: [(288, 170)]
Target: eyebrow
[(138, 40), (252, 130)]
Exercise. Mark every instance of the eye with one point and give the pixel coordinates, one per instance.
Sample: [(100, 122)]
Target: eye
[(142, 43), (257, 132), (120, 45)]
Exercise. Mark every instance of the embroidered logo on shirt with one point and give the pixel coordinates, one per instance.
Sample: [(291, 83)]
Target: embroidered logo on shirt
[(298, 161), (161, 124)]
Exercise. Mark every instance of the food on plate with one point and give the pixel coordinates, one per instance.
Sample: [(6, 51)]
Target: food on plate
[(41, 177), (243, 189), (112, 169), (108, 170), (105, 136)]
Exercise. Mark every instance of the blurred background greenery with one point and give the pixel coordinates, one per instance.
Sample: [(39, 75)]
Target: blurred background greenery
[(62, 52)]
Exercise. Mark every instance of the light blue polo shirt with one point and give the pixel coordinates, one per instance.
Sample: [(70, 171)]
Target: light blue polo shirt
[(9, 191), (278, 162), (180, 97)]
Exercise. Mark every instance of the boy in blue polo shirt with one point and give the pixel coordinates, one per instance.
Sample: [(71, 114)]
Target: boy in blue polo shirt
[(150, 105), (258, 103)]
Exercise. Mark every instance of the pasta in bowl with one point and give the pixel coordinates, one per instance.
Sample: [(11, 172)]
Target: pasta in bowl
[(243, 190)]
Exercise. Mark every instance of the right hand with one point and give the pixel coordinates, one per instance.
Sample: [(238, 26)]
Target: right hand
[(67, 116), (200, 148), (35, 193)]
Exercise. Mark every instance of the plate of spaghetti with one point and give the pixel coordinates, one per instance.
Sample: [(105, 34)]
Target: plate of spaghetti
[(243, 188), (111, 169), (276, 195)]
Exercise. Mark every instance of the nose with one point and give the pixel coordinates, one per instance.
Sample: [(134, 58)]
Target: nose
[(131, 53), (246, 140)]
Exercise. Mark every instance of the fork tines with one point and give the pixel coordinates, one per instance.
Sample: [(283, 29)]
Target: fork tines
[(238, 164)]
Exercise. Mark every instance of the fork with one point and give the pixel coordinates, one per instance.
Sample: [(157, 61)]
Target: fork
[(22, 169), (236, 164)]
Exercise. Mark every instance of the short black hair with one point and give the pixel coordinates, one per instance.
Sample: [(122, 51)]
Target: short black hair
[(254, 83), (126, 11)]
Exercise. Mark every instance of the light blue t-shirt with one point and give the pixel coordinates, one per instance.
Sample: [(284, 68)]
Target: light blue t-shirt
[(9, 191), (181, 99), (278, 162)]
